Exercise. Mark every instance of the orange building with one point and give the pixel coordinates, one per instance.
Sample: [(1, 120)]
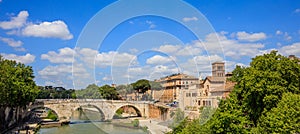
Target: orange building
[(173, 84)]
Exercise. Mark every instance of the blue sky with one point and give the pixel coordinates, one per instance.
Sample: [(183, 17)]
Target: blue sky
[(73, 43)]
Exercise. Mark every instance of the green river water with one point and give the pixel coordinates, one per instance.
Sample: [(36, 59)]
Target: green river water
[(89, 128)]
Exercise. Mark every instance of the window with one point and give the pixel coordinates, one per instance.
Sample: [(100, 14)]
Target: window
[(188, 94), (206, 103), (194, 94)]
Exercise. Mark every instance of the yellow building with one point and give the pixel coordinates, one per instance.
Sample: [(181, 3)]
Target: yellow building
[(215, 87), (173, 84), (207, 92)]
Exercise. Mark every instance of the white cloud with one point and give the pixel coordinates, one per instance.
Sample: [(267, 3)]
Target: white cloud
[(65, 55), (104, 59), (18, 25), (113, 58), (90, 57), (151, 24), (55, 29), (251, 37), (26, 59), (168, 48), (278, 32), (187, 19), (133, 50), (201, 59), (217, 43), (55, 70), (153, 72), (297, 10), (11, 42), (15, 22), (165, 69), (293, 49), (189, 50), (63, 71), (20, 49), (158, 59), (287, 36), (107, 78)]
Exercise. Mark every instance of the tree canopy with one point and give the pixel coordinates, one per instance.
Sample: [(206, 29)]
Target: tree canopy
[(17, 87), (258, 91), (108, 92), (141, 86), (17, 90), (90, 92), (264, 100)]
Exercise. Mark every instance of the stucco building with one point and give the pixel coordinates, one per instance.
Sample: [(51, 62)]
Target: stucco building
[(207, 92), (173, 84)]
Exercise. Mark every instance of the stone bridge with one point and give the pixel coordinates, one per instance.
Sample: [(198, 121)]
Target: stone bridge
[(65, 107)]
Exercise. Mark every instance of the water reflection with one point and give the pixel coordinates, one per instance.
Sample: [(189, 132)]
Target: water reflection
[(91, 114), (89, 122)]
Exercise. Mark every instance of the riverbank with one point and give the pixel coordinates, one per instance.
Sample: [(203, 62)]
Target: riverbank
[(154, 127)]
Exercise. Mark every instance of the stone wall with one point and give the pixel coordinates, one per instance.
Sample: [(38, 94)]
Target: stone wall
[(156, 112)]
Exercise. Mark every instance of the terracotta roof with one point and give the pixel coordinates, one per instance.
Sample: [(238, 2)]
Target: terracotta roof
[(178, 76), (215, 79), (228, 87), (218, 62)]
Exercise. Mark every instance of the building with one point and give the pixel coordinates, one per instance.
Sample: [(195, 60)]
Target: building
[(173, 84), (293, 57), (207, 92), (188, 98), (215, 87)]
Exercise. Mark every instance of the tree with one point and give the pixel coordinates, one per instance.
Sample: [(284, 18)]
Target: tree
[(264, 100), (140, 86), (177, 118), (124, 90), (258, 91), (17, 90), (90, 92), (44, 94), (205, 114), (155, 85), (108, 92), (285, 118), (194, 127)]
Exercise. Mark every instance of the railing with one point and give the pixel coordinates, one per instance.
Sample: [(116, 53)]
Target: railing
[(51, 101)]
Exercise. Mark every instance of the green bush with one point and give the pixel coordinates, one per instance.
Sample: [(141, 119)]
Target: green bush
[(52, 115), (119, 111), (135, 123)]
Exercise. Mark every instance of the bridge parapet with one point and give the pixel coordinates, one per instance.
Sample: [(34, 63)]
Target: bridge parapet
[(65, 107)]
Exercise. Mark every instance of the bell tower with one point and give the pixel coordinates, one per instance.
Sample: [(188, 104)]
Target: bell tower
[(218, 69)]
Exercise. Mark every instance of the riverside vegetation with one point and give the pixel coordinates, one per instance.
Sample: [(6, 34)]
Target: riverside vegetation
[(17, 90), (265, 100)]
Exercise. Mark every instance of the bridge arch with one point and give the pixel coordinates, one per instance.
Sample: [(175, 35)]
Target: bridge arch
[(94, 106), (55, 111), (137, 109)]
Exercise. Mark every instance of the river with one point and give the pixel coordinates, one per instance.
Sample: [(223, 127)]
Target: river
[(78, 126)]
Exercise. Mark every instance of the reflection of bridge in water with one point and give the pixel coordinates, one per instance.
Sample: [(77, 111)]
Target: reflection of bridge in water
[(107, 108)]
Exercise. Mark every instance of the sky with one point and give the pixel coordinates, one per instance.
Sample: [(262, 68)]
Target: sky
[(73, 43)]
